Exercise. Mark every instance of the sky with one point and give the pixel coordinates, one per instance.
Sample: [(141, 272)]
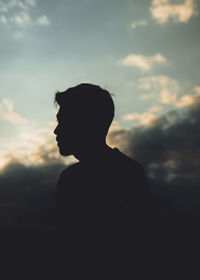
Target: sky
[(145, 52)]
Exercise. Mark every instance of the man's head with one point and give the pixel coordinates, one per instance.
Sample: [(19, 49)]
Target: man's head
[(85, 115)]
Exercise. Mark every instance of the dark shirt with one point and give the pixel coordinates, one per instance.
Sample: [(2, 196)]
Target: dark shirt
[(106, 197)]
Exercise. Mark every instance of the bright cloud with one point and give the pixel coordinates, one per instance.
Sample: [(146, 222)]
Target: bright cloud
[(29, 145), (161, 87), (7, 112), (138, 23), (47, 152), (118, 137), (6, 6), (155, 109), (22, 19), (165, 90), (18, 13), (178, 11), (143, 62), (34, 145), (188, 100), (43, 20), (146, 118)]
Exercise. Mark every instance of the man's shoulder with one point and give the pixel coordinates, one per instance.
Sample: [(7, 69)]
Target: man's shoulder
[(67, 176), (123, 160), (69, 170)]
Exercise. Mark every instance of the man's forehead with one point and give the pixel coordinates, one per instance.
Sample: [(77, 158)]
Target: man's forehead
[(63, 113)]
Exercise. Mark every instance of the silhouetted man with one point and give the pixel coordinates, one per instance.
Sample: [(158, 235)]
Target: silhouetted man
[(101, 200)]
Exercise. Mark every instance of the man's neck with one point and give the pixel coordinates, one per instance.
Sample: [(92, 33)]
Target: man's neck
[(93, 152)]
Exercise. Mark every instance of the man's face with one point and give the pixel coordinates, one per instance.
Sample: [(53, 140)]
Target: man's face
[(67, 133)]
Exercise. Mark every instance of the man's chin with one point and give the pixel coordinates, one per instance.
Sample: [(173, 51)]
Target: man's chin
[(64, 152)]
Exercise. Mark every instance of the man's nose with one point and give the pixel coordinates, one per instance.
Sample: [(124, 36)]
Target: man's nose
[(55, 130)]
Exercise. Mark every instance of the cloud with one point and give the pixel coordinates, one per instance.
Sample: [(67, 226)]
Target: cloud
[(43, 20), (155, 109), (46, 153), (27, 194), (5, 7), (142, 62), (35, 155), (28, 178), (7, 112), (138, 23), (146, 118), (31, 2), (169, 147), (22, 19), (4, 19), (33, 145), (168, 150), (18, 14), (165, 90), (188, 100), (178, 11), (161, 87)]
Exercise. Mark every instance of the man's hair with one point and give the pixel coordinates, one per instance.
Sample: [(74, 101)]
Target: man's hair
[(90, 103)]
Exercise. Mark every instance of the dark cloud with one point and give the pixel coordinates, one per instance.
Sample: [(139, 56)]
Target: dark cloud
[(168, 148), (27, 194), (169, 151)]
